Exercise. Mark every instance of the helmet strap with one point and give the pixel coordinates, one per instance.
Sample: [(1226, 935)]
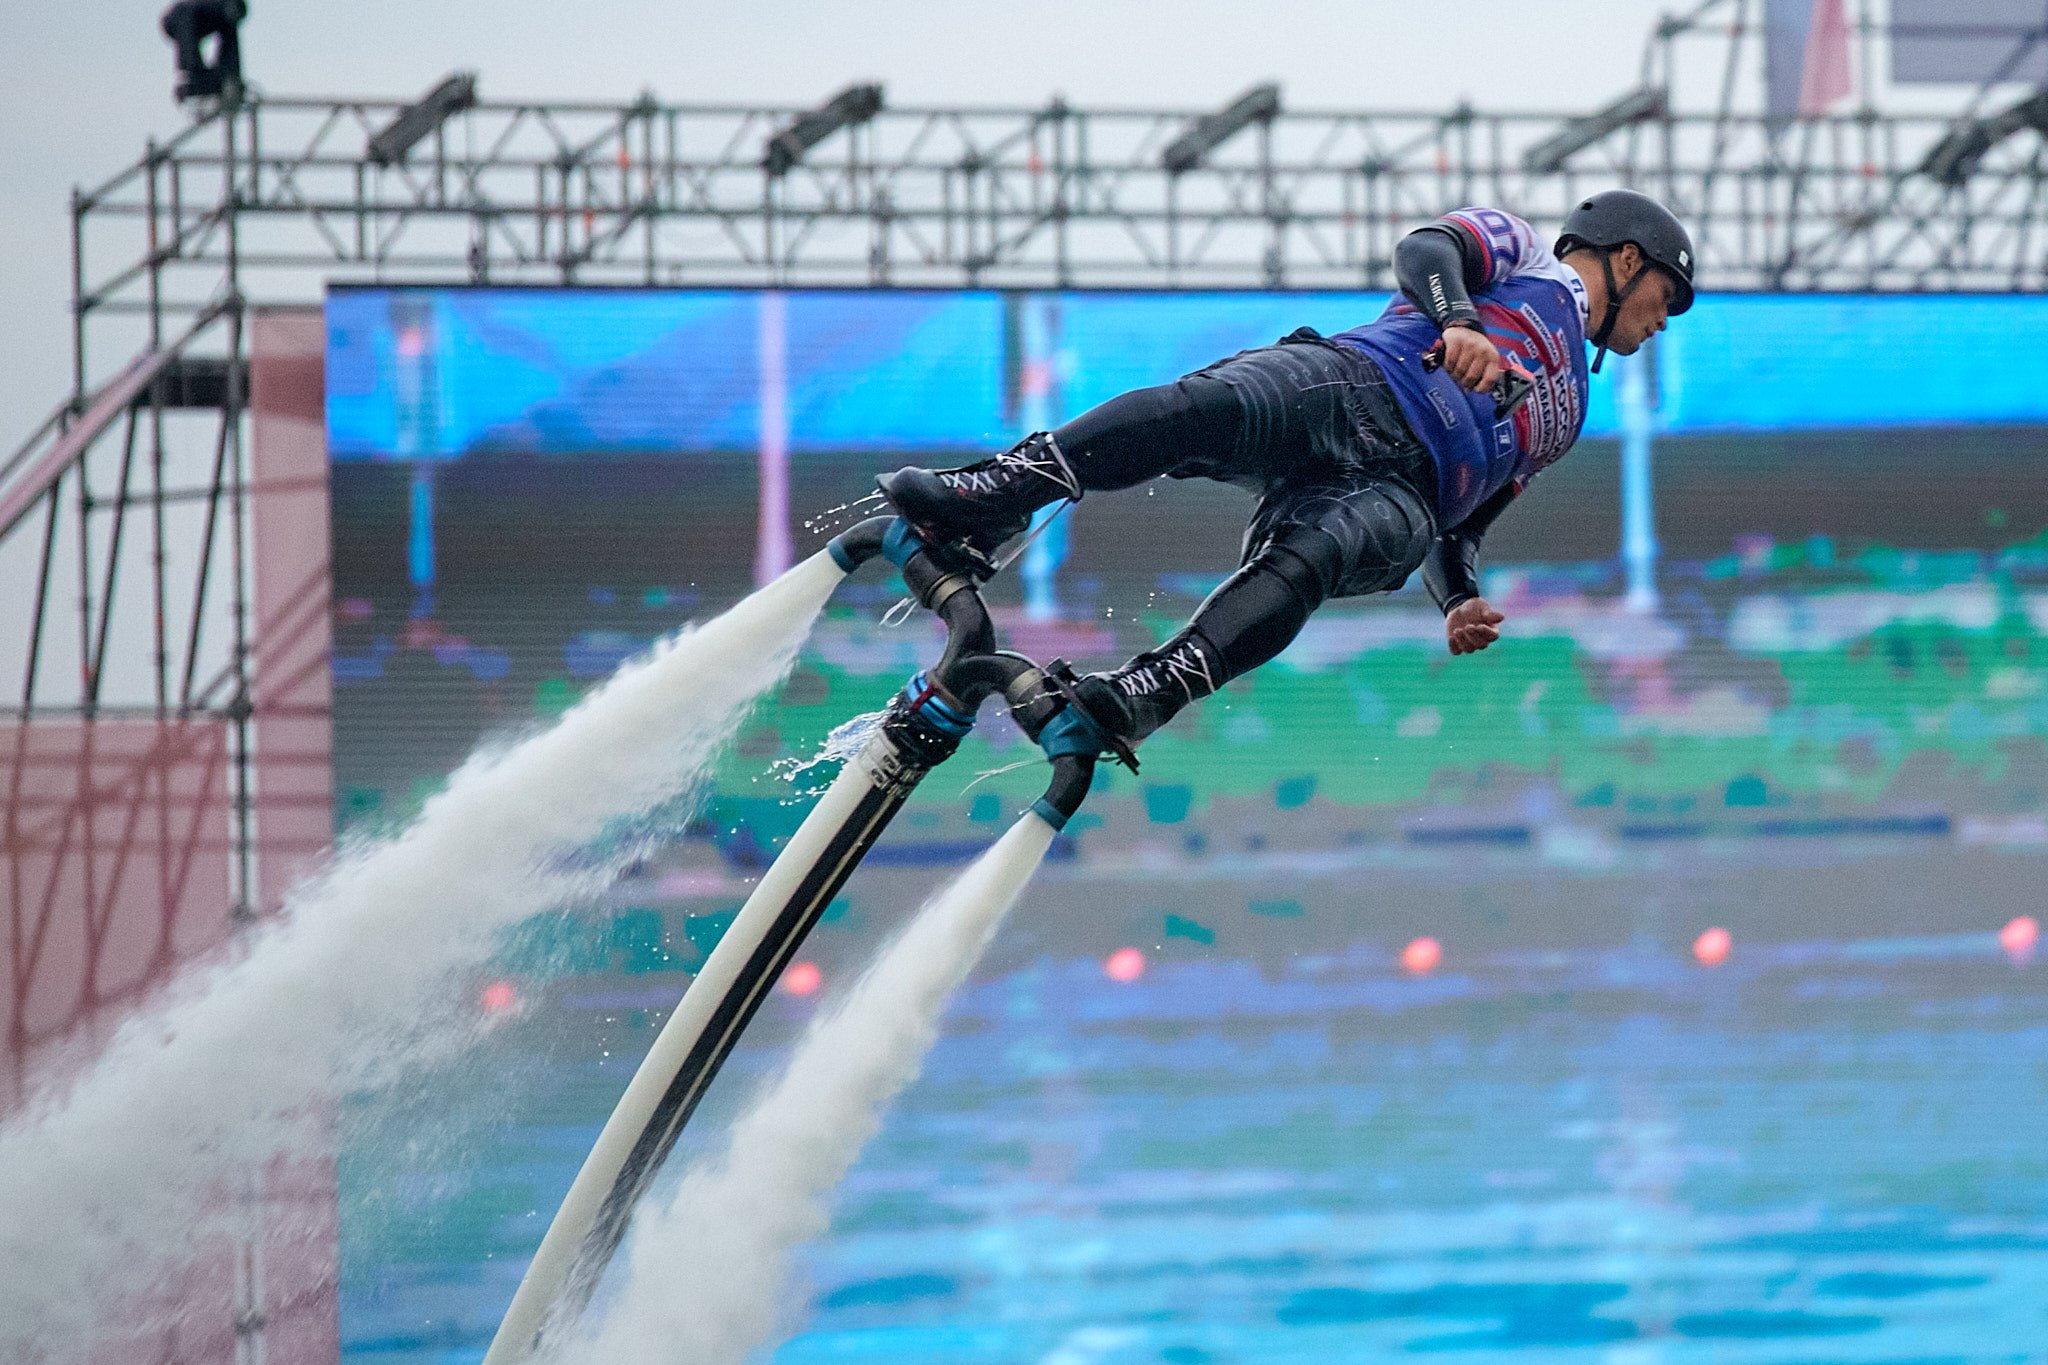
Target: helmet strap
[(1616, 296)]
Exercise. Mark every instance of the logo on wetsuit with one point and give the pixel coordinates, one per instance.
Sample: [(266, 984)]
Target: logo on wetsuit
[(1444, 408)]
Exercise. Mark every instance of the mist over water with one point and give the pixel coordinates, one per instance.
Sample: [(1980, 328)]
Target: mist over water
[(707, 1278), (109, 1179)]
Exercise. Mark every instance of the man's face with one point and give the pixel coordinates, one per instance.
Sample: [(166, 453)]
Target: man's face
[(1647, 307)]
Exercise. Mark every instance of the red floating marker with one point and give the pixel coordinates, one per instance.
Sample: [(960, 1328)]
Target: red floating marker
[(2018, 938), (802, 978), (1125, 964), (1712, 947), (498, 997), (1421, 957)]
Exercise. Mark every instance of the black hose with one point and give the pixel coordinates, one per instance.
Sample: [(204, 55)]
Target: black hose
[(932, 721), (977, 677), (970, 633), (857, 544)]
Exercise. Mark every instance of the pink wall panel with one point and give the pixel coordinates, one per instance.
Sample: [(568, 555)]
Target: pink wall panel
[(115, 840)]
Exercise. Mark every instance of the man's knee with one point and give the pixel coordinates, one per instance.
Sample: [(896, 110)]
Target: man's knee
[(1324, 547), (1345, 546), (1205, 399), (1307, 559)]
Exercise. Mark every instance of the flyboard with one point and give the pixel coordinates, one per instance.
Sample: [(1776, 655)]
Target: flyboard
[(921, 729)]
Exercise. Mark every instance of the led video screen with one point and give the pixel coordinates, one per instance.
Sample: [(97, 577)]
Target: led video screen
[(1661, 976)]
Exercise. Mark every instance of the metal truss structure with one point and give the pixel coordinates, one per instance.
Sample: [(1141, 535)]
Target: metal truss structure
[(650, 194), (860, 194), (133, 550)]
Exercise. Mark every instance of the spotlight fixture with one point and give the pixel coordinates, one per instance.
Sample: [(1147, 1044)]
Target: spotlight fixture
[(1638, 106), (850, 108), (188, 24), (419, 119), (1956, 157), (1207, 133)]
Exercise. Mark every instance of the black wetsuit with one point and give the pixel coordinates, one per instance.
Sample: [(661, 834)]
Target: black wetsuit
[(1346, 490)]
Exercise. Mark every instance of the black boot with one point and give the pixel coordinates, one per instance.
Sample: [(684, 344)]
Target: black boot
[(1133, 701), (1250, 618), (985, 503)]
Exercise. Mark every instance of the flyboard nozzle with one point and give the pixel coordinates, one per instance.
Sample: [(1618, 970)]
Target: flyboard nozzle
[(1041, 703), (939, 704), (936, 708), (947, 590), (1038, 706), (1072, 775)]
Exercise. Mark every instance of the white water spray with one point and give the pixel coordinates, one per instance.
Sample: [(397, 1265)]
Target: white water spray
[(707, 1275), (848, 738), (106, 1182)]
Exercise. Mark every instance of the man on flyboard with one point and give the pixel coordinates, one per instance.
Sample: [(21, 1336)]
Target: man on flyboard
[(1384, 449)]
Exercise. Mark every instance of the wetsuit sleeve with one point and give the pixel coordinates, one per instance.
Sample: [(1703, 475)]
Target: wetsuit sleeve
[(1438, 267), (1451, 569)]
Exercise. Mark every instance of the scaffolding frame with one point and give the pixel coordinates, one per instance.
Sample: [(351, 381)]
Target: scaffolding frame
[(643, 193)]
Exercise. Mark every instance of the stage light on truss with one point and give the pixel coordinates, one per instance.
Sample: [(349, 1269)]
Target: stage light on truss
[(1207, 133), (850, 108), (188, 24), (1637, 106), (1956, 157), (418, 120)]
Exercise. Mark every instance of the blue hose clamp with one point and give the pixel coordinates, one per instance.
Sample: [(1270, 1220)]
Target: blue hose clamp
[(924, 702), (901, 543), (1071, 734)]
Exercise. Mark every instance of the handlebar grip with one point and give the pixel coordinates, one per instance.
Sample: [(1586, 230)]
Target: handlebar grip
[(1509, 391)]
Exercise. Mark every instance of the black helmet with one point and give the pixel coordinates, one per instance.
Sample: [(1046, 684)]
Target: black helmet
[(1613, 217)]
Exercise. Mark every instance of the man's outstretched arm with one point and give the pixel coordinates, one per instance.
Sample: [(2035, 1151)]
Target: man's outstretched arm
[(1451, 573)]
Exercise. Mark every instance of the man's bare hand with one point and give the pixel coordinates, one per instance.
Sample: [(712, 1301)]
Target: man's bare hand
[(1471, 626), (1471, 359)]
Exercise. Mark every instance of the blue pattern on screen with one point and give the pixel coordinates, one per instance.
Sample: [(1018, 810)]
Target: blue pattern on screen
[(442, 373)]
